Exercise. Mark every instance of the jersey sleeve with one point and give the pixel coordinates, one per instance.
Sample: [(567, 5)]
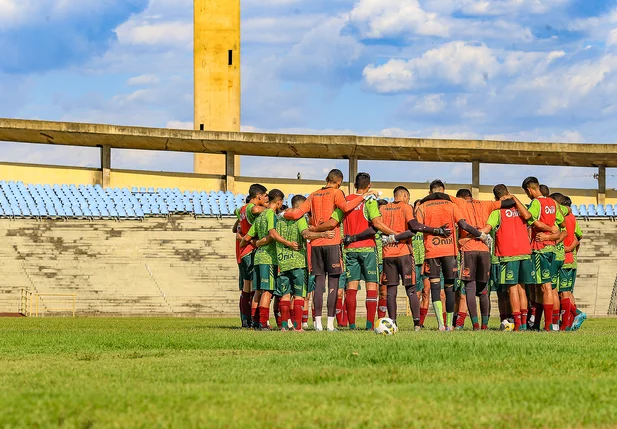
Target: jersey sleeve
[(372, 210), (339, 199), (271, 220), (305, 207), (534, 208), (251, 232), (494, 219), (491, 206), (559, 215), (420, 214), (237, 213), (338, 215), (408, 214), (302, 224), (578, 232)]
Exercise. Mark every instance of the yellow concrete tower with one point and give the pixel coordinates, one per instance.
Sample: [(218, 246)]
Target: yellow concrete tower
[(217, 77)]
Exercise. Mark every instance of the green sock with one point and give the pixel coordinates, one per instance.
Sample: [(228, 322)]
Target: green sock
[(369, 325), (285, 325), (352, 326), (474, 320), (449, 318), (485, 320), (438, 309), (578, 311), (523, 327)]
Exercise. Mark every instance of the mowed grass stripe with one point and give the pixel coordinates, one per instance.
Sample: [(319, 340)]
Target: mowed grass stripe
[(200, 373)]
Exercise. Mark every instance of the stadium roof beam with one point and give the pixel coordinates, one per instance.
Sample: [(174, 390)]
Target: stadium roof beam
[(308, 146)]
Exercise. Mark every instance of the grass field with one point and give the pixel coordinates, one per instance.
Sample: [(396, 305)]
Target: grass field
[(95, 372)]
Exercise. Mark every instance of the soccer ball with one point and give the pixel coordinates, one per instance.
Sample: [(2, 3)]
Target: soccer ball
[(386, 326), (506, 325)]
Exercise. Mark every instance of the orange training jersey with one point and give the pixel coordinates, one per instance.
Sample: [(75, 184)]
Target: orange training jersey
[(396, 216), (322, 204), (436, 214), (476, 214)]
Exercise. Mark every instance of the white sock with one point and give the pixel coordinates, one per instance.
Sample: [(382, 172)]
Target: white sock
[(318, 323), (330, 323), (290, 323)]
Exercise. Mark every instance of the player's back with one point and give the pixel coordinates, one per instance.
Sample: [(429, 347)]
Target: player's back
[(287, 257), (475, 213), (437, 213), (323, 204), (548, 216), (264, 222), (396, 216)]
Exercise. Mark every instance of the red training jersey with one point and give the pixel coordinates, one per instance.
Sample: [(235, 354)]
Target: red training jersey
[(243, 226), (355, 222), (570, 230), (548, 215), (512, 239)]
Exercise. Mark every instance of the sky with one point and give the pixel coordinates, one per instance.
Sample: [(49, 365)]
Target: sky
[(531, 70)]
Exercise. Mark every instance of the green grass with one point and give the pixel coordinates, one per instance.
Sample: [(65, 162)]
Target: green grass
[(199, 373)]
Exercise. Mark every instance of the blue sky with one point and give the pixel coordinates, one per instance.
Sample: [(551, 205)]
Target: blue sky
[(537, 70)]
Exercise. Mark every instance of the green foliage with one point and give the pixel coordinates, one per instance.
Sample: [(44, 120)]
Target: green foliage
[(98, 372)]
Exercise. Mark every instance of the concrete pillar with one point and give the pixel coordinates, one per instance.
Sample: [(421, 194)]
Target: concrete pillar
[(105, 166), (602, 184), (216, 37), (230, 172), (353, 171), (475, 179)]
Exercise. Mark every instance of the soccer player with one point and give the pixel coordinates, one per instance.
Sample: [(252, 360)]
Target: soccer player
[(398, 260), (513, 248), (246, 215), (423, 286), (475, 254), (326, 253), (292, 278), (266, 269), (545, 216), (361, 256), (440, 252)]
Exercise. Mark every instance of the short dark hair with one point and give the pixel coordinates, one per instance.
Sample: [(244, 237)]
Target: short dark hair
[(400, 189), (257, 189), (566, 201), (334, 175), (382, 202), (276, 195), (436, 185), (247, 199), (415, 203), (559, 197), (500, 191), (530, 182), (464, 193), (297, 200), (544, 190), (284, 207), (363, 180)]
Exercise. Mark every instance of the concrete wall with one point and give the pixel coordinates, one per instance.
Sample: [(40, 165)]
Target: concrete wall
[(183, 266), (42, 174)]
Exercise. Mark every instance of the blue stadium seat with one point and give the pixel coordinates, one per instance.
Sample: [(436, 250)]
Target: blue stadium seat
[(198, 210), (610, 211), (575, 210), (139, 212), (95, 212), (142, 190), (583, 210), (164, 211), (591, 210), (134, 190), (601, 211)]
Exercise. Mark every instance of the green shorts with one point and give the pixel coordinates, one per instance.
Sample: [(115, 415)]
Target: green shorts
[(342, 281), (494, 282), (567, 279), (555, 269), (246, 269), (543, 266), (264, 277), (361, 266), (419, 278), (311, 283), (517, 273), (459, 286), (292, 282)]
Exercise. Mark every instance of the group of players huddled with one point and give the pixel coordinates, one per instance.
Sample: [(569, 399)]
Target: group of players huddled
[(445, 250)]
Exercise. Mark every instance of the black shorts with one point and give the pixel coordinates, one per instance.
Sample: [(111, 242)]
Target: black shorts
[(327, 259), (476, 266), (446, 265), (399, 269)]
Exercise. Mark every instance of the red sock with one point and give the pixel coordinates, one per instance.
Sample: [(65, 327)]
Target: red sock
[(555, 316), (291, 312), (285, 307), (298, 313), (350, 305), (423, 313), (445, 319), (371, 308), (277, 313), (532, 308), (313, 313), (245, 304), (548, 312), (255, 316), (382, 308), (264, 315), (517, 320), (305, 315), (460, 320), (524, 316), (339, 312), (566, 314), (345, 321)]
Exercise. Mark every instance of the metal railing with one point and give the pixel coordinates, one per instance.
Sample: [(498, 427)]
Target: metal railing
[(31, 303), (612, 307)]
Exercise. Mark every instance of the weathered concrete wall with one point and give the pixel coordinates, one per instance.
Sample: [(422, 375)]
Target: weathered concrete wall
[(183, 266)]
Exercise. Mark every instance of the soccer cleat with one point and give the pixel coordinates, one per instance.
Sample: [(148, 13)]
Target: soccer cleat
[(442, 329), (299, 330), (245, 324), (578, 321), (417, 328), (460, 328), (265, 328), (332, 330), (285, 330), (319, 328), (305, 326), (449, 329)]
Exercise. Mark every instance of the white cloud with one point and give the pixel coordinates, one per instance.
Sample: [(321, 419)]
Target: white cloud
[(160, 34), (506, 7), (385, 18), (179, 125), (611, 40), (455, 63), (144, 79)]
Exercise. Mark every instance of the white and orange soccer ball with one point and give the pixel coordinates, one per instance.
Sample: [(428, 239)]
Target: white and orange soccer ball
[(506, 325), (386, 326)]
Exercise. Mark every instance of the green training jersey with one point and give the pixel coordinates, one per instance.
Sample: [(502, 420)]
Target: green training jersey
[(264, 255), (494, 220), (417, 242), (250, 217), (289, 259), (560, 250)]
